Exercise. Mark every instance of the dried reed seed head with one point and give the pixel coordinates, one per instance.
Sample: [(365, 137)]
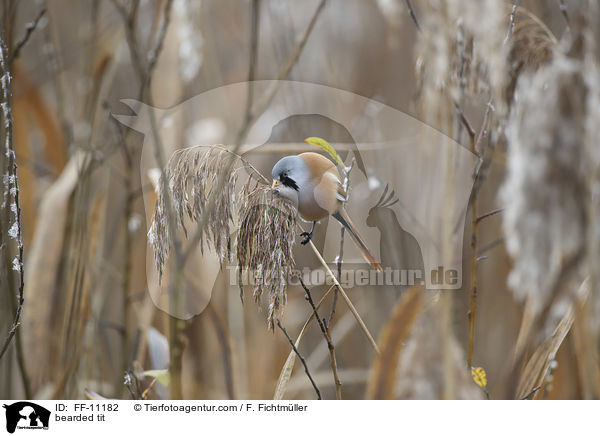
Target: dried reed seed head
[(193, 175), (467, 54), (265, 242), (266, 231), (545, 193), (461, 47), (532, 46)]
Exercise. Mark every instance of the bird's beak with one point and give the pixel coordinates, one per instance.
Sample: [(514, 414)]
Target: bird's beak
[(275, 183)]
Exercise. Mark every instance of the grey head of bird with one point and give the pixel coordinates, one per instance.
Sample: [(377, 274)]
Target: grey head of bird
[(290, 174)]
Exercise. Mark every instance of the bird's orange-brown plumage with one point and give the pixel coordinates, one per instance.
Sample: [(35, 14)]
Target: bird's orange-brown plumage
[(325, 197)]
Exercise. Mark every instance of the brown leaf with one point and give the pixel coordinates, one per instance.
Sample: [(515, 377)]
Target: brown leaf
[(537, 367)]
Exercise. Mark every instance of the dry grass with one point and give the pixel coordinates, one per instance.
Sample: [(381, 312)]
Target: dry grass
[(192, 176), (259, 243), (265, 240)]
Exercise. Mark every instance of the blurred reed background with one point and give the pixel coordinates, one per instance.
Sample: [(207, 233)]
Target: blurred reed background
[(516, 82)]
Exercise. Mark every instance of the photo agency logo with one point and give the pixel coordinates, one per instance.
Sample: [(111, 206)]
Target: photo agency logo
[(406, 184), (25, 415)]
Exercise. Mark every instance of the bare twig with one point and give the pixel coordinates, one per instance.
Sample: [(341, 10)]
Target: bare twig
[(327, 336), (148, 389), (132, 384), (511, 26), (491, 245), (160, 40), (489, 214), (339, 275), (411, 11), (346, 298), (282, 380), (301, 359), (476, 148), (474, 266), (176, 325), (12, 188), (266, 99), (483, 133), (29, 31), (129, 19), (254, 37), (340, 258), (563, 10), (224, 340), (530, 394), (465, 122)]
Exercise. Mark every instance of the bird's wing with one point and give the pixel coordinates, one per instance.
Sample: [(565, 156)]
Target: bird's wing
[(340, 192)]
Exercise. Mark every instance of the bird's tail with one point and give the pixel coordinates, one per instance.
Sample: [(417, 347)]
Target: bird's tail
[(342, 216)]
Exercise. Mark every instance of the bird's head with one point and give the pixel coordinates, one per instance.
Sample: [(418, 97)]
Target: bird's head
[(289, 175)]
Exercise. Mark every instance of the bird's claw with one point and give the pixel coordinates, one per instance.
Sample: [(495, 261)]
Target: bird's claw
[(307, 237)]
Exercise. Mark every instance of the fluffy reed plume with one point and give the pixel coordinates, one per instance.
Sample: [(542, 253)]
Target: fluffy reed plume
[(265, 240), (267, 222), (532, 45), (192, 174), (468, 54), (545, 192), (461, 50)]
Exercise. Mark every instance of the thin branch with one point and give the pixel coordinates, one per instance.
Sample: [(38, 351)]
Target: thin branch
[(176, 325), (512, 21), (254, 37), (330, 346), (160, 39), (29, 31), (465, 122), (12, 188), (301, 359), (563, 10), (474, 267), (411, 11), (148, 389), (129, 19), (476, 148), (530, 394), (491, 245), (346, 298), (265, 101), (281, 385), (483, 132), (224, 339), (339, 275), (340, 258), (489, 214)]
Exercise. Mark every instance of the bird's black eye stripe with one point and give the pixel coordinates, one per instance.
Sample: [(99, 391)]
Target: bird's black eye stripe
[(286, 181)]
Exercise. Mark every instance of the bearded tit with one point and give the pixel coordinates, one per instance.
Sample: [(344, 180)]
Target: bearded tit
[(312, 182)]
